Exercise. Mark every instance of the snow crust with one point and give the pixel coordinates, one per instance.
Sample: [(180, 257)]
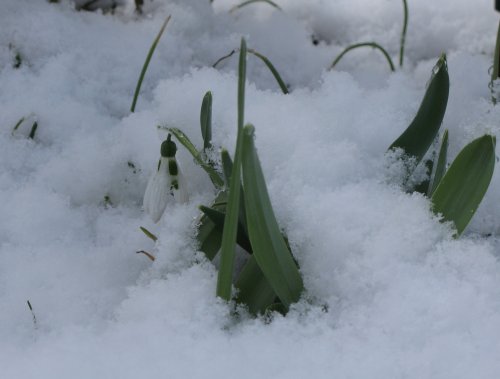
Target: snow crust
[(389, 292)]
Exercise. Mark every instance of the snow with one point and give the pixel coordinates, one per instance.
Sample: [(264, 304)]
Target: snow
[(389, 292)]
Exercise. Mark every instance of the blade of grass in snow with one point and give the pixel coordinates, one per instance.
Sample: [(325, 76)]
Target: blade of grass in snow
[(248, 2), (146, 64), (32, 314), (224, 282), (227, 166), (150, 256), (403, 33), (440, 165), (364, 44), (419, 136), (33, 130), (464, 185), (266, 61), (268, 244), (206, 120), (148, 234), (273, 70), (18, 124), (215, 177)]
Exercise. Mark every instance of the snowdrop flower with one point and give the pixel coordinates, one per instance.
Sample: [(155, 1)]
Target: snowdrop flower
[(165, 183)]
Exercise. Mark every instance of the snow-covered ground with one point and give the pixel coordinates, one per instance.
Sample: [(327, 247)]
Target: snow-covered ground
[(389, 292)]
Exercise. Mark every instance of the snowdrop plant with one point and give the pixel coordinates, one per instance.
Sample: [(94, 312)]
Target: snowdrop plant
[(166, 183), (455, 193), (241, 217)]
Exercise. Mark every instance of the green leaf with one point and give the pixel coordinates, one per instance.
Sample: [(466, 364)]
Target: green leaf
[(440, 165), (215, 177), (418, 137), (146, 64), (254, 289), (224, 279), (269, 247), (208, 235), (462, 188), (217, 217), (227, 166), (148, 233), (271, 68), (206, 120)]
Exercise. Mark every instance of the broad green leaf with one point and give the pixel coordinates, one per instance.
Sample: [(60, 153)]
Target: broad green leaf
[(224, 279), (254, 289), (206, 120), (146, 64), (215, 177), (418, 137), (269, 247), (440, 165), (462, 188)]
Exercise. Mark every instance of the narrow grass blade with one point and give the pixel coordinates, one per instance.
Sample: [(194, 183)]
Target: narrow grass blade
[(18, 124), (149, 255), (364, 44), (221, 59), (206, 120), (254, 289), (215, 177), (217, 217), (273, 70), (418, 137), (34, 127), (269, 247), (440, 165), (403, 33), (224, 281), (148, 233), (464, 185), (146, 64), (248, 2)]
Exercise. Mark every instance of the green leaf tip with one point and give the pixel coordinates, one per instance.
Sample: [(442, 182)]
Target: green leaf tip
[(422, 131), (206, 120)]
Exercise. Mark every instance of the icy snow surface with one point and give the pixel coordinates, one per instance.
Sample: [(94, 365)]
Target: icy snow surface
[(389, 292)]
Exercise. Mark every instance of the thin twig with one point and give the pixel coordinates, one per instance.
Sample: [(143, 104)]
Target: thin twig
[(403, 33)]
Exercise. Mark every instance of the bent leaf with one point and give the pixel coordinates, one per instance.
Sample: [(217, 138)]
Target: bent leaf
[(462, 188), (215, 177), (269, 247)]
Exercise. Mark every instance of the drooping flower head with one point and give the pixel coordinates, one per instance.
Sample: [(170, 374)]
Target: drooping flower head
[(166, 183)]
